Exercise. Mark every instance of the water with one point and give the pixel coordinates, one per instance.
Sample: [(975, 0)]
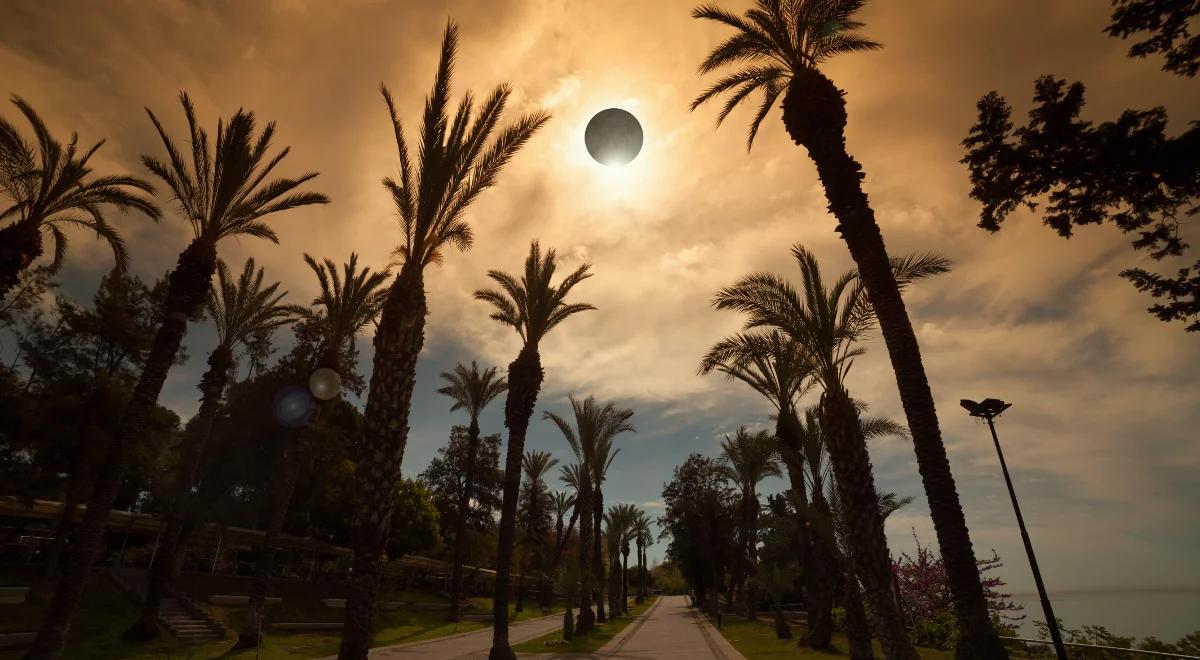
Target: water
[(1167, 614)]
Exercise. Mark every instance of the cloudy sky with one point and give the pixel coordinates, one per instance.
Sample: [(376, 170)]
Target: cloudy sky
[(1102, 434)]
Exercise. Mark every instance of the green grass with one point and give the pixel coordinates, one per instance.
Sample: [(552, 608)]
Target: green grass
[(756, 640), (585, 643), (105, 612)]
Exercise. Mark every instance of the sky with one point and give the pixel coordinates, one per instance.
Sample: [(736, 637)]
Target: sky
[(1101, 438)]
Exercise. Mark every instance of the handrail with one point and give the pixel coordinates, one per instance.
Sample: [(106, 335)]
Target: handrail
[(1156, 654)]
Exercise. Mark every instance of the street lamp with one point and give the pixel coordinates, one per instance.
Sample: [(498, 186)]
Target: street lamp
[(990, 409)]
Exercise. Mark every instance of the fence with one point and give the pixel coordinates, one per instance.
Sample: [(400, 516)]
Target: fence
[(1132, 653)]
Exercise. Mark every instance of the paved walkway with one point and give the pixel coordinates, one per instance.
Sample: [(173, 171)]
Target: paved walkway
[(669, 630)]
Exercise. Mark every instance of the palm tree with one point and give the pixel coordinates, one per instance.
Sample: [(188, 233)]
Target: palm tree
[(458, 160), (533, 307), (775, 365), (642, 538), (569, 475), (601, 460), (561, 501), (471, 390), (221, 194), (779, 579), (827, 323), (620, 519), (594, 425), (749, 458), (240, 309), (536, 464), (779, 47), (345, 304), (49, 189)]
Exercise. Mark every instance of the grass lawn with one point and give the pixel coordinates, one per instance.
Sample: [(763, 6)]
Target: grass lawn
[(756, 640), (105, 612), (586, 643)]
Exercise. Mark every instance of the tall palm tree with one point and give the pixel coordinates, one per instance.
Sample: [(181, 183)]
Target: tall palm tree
[(533, 307), (240, 309), (570, 476), (459, 158), (619, 519), (535, 464), (748, 459), (224, 192), (561, 501), (49, 188), (345, 304), (594, 425), (775, 365), (601, 460), (642, 538), (778, 48), (827, 323), (471, 390)]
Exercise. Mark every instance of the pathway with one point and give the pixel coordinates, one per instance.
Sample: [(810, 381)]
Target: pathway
[(669, 630)]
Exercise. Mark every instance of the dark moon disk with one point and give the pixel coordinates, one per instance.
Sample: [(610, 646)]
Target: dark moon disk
[(613, 137)]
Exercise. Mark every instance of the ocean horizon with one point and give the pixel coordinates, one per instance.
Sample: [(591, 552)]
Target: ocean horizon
[(1167, 613)]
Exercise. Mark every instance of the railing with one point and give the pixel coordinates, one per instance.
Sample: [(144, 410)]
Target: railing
[(1133, 652)]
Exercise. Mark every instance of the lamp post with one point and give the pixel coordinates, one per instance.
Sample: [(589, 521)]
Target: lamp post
[(990, 409)]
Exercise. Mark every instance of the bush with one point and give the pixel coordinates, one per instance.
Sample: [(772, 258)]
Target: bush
[(939, 632)]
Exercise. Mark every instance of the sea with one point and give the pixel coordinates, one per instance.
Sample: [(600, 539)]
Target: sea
[(1166, 613)]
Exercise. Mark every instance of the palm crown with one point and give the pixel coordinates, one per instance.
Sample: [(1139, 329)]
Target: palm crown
[(244, 307), (457, 162), (620, 519), (595, 427), (774, 41), (749, 458), (561, 500), (224, 190), (771, 363), (532, 305), (827, 322), (49, 185), (536, 464), (347, 302), (471, 389)]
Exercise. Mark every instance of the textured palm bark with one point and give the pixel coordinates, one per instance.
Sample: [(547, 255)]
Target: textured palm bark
[(818, 586), (597, 553), (398, 342), (858, 633), (168, 557), (814, 113), (625, 580), (583, 502), (864, 523), (188, 285), (524, 382), (460, 525), (20, 244)]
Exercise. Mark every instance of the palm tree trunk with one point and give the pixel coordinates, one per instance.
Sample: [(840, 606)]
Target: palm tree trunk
[(460, 525), (782, 631), (583, 502), (751, 557), (625, 581), (562, 542), (398, 341), (814, 549), (858, 633), (166, 559), (20, 244), (864, 523), (188, 285), (264, 564), (814, 113), (597, 559), (524, 382)]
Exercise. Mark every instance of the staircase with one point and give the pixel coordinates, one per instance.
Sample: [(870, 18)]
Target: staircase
[(185, 620)]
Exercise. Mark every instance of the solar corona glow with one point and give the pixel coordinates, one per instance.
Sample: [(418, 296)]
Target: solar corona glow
[(613, 137)]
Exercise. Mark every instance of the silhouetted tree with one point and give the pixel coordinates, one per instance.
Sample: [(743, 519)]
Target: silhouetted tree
[(471, 390), (49, 188), (222, 194), (749, 458), (458, 160), (533, 307), (780, 46)]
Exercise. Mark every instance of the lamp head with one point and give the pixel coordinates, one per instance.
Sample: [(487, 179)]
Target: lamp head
[(987, 409)]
